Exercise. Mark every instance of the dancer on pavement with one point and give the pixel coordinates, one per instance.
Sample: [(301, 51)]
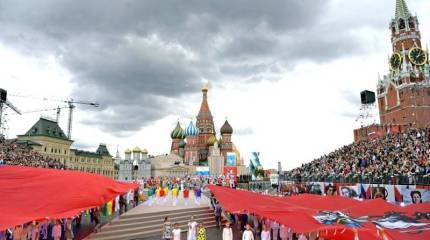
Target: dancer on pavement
[(166, 193), (186, 194), (227, 232), (176, 232), (175, 191), (265, 234), (162, 196), (167, 229), (192, 229), (198, 194), (248, 234), (201, 232)]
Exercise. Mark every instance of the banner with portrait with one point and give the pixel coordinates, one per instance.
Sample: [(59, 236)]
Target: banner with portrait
[(414, 194), (349, 191)]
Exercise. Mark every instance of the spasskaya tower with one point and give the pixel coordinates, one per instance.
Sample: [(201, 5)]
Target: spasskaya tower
[(404, 93)]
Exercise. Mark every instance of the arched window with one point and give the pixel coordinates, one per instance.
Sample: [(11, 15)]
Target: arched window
[(411, 23), (402, 24)]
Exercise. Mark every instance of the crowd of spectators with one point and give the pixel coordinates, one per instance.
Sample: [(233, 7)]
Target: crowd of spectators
[(12, 153), (402, 158)]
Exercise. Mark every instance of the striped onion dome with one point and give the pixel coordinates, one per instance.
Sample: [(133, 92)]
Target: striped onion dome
[(191, 130), (212, 140), (178, 132)]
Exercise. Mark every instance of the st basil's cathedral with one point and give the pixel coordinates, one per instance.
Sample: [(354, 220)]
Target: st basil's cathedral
[(195, 143)]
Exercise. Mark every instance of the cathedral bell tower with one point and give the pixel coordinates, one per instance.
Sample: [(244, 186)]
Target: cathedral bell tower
[(404, 93), (205, 126)]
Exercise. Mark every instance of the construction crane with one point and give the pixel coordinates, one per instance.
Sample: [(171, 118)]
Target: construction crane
[(70, 105), (3, 104), (58, 109)]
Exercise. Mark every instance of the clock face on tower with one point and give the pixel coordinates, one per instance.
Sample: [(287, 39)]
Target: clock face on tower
[(396, 61), (417, 56)]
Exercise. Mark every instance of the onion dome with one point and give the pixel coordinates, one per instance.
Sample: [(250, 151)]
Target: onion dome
[(136, 149), (182, 144), (226, 128), (144, 151), (191, 130), (178, 132), (211, 140), (127, 150)]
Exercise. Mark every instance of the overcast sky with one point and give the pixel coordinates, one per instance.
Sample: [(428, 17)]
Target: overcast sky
[(287, 74)]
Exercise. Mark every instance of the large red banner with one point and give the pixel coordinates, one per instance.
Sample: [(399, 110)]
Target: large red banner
[(333, 217), (28, 194)]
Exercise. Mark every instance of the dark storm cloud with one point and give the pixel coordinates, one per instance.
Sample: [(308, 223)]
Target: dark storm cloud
[(137, 57)]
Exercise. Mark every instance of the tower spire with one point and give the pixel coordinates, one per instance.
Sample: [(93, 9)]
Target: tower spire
[(402, 10), (204, 107)]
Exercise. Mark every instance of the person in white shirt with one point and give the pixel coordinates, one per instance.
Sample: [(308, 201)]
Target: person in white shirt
[(265, 234), (192, 229), (227, 232), (176, 232), (248, 234)]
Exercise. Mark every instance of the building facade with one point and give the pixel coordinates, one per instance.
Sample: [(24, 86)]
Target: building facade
[(47, 138), (404, 93), (196, 144), (135, 165)]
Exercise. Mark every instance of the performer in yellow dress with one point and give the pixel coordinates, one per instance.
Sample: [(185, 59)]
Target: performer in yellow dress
[(175, 191), (201, 233)]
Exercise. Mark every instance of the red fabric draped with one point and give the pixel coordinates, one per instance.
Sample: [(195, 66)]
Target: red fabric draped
[(28, 194), (297, 212)]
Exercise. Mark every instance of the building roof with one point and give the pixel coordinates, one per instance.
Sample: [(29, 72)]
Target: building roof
[(85, 153), (48, 128), (102, 150), (178, 132), (402, 10), (204, 107), (226, 128), (212, 140), (136, 149), (191, 130)]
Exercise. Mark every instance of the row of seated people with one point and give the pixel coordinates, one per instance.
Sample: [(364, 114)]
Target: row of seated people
[(402, 156), (12, 153)]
